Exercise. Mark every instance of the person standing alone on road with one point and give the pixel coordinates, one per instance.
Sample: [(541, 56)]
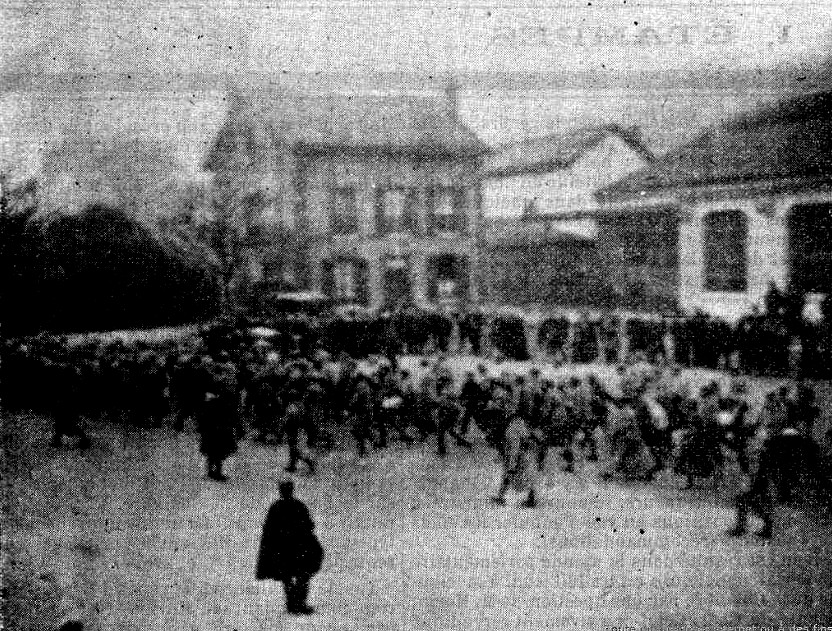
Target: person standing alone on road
[(289, 550), (218, 418)]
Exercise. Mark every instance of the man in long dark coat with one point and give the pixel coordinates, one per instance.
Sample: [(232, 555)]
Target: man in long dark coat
[(789, 470), (289, 550), (64, 405), (472, 400), (218, 420)]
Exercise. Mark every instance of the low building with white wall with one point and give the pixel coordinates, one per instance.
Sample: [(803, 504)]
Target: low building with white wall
[(747, 203), (537, 246), (553, 178)]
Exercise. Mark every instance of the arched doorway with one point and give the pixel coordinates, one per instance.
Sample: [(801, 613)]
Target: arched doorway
[(508, 335), (554, 335)]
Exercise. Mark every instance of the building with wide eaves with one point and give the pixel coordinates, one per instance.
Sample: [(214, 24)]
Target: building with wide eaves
[(711, 224)]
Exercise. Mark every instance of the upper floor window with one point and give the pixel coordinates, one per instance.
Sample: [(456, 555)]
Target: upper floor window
[(343, 211), (396, 210), (447, 209), (345, 281), (725, 234)]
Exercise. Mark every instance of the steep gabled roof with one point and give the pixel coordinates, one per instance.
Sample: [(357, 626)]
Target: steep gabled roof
[(557, 151), (346, 121), (791, 139)]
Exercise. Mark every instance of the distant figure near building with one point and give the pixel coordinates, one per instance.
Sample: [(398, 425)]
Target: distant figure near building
[(289, 550)]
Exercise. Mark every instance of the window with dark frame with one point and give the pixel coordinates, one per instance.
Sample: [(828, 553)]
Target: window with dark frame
[(447, 209), (725, 236), (396, 210), (343, 210), (345, 279)]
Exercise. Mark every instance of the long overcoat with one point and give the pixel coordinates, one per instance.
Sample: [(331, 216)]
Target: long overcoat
[(288, 546), (520, 455)]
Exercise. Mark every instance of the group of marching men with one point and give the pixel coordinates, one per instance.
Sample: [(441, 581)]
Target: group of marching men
[(643, 422), (637, 425)]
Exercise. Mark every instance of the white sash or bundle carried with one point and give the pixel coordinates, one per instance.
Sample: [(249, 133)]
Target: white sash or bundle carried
[(390, 403), (726, 418), (657, 413)]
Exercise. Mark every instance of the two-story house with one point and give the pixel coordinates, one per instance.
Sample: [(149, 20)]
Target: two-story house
[(381, 190)]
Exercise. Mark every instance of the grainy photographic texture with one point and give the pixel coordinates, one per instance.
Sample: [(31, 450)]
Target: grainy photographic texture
[(416, 316)]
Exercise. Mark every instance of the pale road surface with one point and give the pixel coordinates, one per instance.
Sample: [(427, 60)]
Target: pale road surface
[(138, 538)]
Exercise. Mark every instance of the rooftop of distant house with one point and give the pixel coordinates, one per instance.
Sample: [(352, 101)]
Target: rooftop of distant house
[(790, 140), (411, 124), (554, 152)]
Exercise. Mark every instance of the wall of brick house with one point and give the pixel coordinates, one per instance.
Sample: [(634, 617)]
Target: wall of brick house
[(366, 172)]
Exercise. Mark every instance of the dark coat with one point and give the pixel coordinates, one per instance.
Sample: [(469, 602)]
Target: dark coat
[(288, 546), (218, 420)]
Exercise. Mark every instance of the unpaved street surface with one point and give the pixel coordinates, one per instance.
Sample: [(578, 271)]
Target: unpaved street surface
[(131, 535)]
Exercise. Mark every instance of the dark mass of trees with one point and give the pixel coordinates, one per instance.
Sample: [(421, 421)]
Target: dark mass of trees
[(97, 270)]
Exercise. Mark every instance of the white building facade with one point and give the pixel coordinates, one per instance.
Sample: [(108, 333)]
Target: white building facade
[(752, 202)]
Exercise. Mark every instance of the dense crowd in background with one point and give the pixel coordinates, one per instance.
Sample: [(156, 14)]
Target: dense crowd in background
[(291, 385)]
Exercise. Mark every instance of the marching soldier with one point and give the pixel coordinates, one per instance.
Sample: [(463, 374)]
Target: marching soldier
[(362, 412), (472, 401), (520, 469), (296, 420)]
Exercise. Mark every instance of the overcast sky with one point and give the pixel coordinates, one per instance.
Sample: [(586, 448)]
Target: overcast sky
[(204, 46), (59, 35)]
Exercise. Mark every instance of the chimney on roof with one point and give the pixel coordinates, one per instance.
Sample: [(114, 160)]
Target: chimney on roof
[(452, 97)]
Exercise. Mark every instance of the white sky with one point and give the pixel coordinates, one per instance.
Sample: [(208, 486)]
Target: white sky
[(192, 36), (169, 40)]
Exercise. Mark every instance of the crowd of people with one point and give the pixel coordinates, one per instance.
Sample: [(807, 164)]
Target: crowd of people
[(227, 382)]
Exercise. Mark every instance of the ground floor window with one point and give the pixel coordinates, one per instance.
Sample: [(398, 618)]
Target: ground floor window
[(810, 248), (345, 279), (397, 287), (447, 279), (725, 236)]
